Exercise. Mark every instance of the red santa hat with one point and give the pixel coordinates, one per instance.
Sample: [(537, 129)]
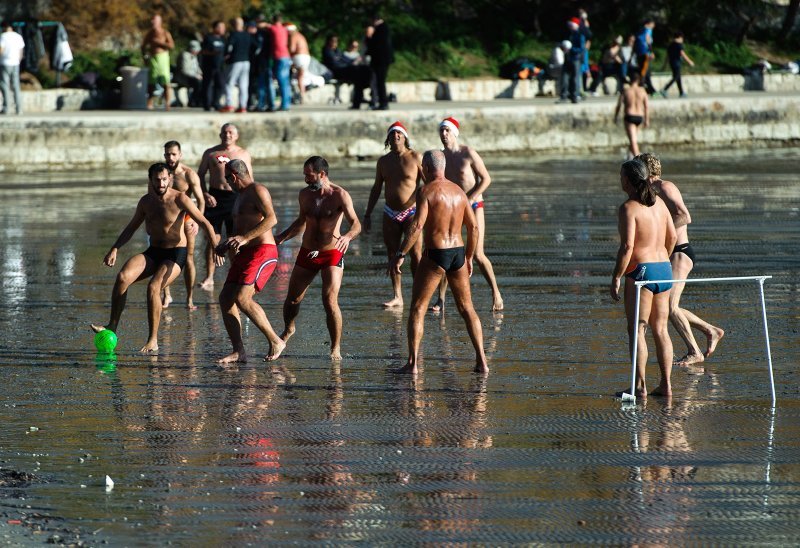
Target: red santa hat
[(399, 127), (451, 123), (574, 21)]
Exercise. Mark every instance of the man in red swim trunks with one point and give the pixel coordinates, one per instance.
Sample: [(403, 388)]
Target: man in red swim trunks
[(255, 260), (322, 207)]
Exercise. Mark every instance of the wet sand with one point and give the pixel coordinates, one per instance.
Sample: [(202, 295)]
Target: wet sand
[(306, 450)]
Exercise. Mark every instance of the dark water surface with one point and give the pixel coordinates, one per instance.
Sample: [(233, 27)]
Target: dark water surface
[(307, 450)]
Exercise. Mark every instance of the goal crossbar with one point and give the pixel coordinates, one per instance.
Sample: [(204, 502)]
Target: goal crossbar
[(639, 284)]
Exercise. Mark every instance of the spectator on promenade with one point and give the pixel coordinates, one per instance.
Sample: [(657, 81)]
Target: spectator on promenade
[(190, 75), (381, 54), (643, 48), (573, 63), (676, 55), (353, 52), (587, 33), (301, 57), (281, 60), (610, 67), (344, 70), (256, 45), (155, 50), (11, 48), (265, 86), (237, 54), (554, 67), (628, 57), (213, 64)]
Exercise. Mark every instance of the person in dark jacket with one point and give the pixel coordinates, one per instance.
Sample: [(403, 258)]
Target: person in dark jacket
[(379, 48), (345, 71), (213, 65)]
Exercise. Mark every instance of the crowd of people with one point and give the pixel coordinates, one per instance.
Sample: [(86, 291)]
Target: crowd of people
[(248, 65)]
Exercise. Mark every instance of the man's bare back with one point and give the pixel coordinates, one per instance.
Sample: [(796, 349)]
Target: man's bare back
[(650, 225), (447, 205), (298, 45), (251, 208), (634, 99)]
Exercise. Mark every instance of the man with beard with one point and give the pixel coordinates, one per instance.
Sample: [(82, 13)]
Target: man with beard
[(162, 211)]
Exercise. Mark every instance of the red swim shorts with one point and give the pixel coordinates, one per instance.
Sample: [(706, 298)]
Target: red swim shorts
[(317, 260), (253, 265)]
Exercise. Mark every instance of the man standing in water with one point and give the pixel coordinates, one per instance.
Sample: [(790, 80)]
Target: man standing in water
[(647, 237), (184, 179), (682, 261), (400, 169), (256, 256), (219, 197), (442, 209), (465, 167), (322, 207), (162, 211), (636, 104)]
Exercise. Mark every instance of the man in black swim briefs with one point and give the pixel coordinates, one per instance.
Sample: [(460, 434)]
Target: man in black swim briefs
[(442, 209), (163, 211), (636, 111)]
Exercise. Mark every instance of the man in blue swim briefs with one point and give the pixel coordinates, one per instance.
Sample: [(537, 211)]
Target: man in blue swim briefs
[(163, 211), (682, 260), (442, 209), (465, 167), (647, 237), (401, 171)]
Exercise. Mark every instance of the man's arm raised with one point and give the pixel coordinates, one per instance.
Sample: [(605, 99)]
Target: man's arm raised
[(355, 226)]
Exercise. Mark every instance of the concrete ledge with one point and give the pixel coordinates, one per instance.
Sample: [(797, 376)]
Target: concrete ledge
[(52, 100)]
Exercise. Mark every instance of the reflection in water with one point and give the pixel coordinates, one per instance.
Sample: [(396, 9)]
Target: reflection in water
[(14, 277)]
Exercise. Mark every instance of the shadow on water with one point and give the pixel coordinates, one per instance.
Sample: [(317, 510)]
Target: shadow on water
[(308, 450)]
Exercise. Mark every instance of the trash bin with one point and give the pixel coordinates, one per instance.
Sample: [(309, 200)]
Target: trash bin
[(134, 88), (754, 79)]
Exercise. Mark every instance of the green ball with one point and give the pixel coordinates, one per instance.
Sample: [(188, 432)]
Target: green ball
[(105, 341)]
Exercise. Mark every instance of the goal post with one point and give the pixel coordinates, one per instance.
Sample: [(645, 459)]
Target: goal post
[(639, 284)]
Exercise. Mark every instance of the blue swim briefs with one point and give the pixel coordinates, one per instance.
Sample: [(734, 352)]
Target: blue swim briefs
[(653, 271)]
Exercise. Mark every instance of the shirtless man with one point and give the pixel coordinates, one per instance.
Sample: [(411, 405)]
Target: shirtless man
[(682, 261), (301, 57), (465, 167), (634, 99), (155, 49), (322, 207), (219, 196), (184, 179), (442, 209), (256, 257), (647, 237), (400, 169), (162, 211)]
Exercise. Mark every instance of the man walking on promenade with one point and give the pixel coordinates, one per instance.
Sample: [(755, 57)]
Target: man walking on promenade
[(185, 179), (155, 49), (465, 167), (255, 259), (11, 47), (219, 196), (281, 60), (682, 261), (162, 211), (401, 170), (322, 207), (647, 237), (442, 210)]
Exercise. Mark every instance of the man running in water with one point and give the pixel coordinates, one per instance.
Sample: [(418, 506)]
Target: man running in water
[(322, 207), (162, 210), (255, 259), (465, 167), (647, 237), (400, 169), (185, 179), (442, 210), (219, 196), (682, 260)]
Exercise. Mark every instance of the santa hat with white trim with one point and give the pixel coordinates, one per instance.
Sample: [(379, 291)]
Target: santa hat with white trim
[(450, 123), (400, 128)]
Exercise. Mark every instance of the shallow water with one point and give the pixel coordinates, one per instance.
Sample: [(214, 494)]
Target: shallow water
[(310, 451)]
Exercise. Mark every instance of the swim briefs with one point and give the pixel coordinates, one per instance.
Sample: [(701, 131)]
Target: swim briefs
[(223, 211), (399, 216), (163, 254), (317, 260), (450, 259), (301, 61), (159, 68), (634, 119), (652, 271), (477, 205), (686, 249), (253, 265)]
